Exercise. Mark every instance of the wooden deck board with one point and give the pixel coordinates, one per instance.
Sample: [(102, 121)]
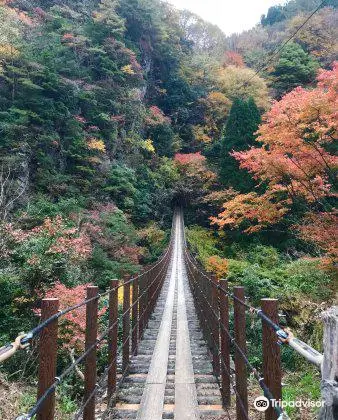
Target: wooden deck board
[(186, 404), (151, 407), (164, 374)]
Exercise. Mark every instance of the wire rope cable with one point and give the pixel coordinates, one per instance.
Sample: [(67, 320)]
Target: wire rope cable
[(277, 50)]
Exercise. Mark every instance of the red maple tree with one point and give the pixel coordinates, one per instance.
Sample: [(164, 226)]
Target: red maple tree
[(294, 162)]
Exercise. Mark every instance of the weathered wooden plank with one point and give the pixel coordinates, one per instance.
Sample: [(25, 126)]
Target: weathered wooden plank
[(152, 403), (329, 385), (151, 407), (186, 404)]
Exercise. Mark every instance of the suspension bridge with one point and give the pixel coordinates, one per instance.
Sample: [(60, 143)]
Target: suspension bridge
[(170, 349)]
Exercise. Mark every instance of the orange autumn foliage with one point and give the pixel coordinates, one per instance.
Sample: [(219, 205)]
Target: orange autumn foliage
[(232, 58), (251, 207), (194, 168), (219, 266), (294, 158), (293, 162), (321, 229), (189, 158)]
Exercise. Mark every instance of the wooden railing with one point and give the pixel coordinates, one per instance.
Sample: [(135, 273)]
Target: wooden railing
[(213, 302), (140, 295)]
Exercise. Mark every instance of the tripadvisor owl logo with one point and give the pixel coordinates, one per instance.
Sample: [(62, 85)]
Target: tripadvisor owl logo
[(261, 403)]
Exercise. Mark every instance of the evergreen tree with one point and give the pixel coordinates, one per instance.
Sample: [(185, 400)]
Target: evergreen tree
[(107, 15), (240, 129), (294, 68), (275, 14)]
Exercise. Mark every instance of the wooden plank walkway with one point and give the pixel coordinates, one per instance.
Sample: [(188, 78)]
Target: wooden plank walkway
[(186, 405), (151, 406), (171, 377)]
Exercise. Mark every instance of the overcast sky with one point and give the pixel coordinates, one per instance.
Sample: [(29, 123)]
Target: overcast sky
[(230, 15)]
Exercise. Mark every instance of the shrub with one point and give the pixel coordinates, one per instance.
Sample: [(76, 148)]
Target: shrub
[(154, 240), (202, 242), (217, 265)]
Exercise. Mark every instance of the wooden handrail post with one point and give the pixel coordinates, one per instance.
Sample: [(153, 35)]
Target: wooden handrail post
[(91, 362), (147, 281), (207, 310), (225, 343), (271, 355), (126, 325), (215, 306), (135, 317), (141, 306), (329, 384), (240, 366), (152, 288), (112, 340), (48, 358)]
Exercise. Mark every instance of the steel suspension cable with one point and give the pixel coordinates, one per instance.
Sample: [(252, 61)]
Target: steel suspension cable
[(23, 340), (258, 377), (71, 367), (222, 361), (284, 336)]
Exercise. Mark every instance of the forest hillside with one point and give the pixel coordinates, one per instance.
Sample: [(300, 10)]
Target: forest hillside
[(112, 112)]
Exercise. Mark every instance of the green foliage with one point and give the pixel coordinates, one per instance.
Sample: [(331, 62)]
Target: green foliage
[(163, 138), (265, 256), (154, 239), (40, 208), (305, 386), (14, 298), (294, 68), (291, 8), (275, 14), (307, 277), (264, 272), (202, 242), (120, 185), (108, 18), (258, 282), (65, 406), (242, 124)]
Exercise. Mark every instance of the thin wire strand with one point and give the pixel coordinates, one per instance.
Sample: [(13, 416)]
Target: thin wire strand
[(105, 374), (277, 50), (223, 362), (258, 377), (37, 330)]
